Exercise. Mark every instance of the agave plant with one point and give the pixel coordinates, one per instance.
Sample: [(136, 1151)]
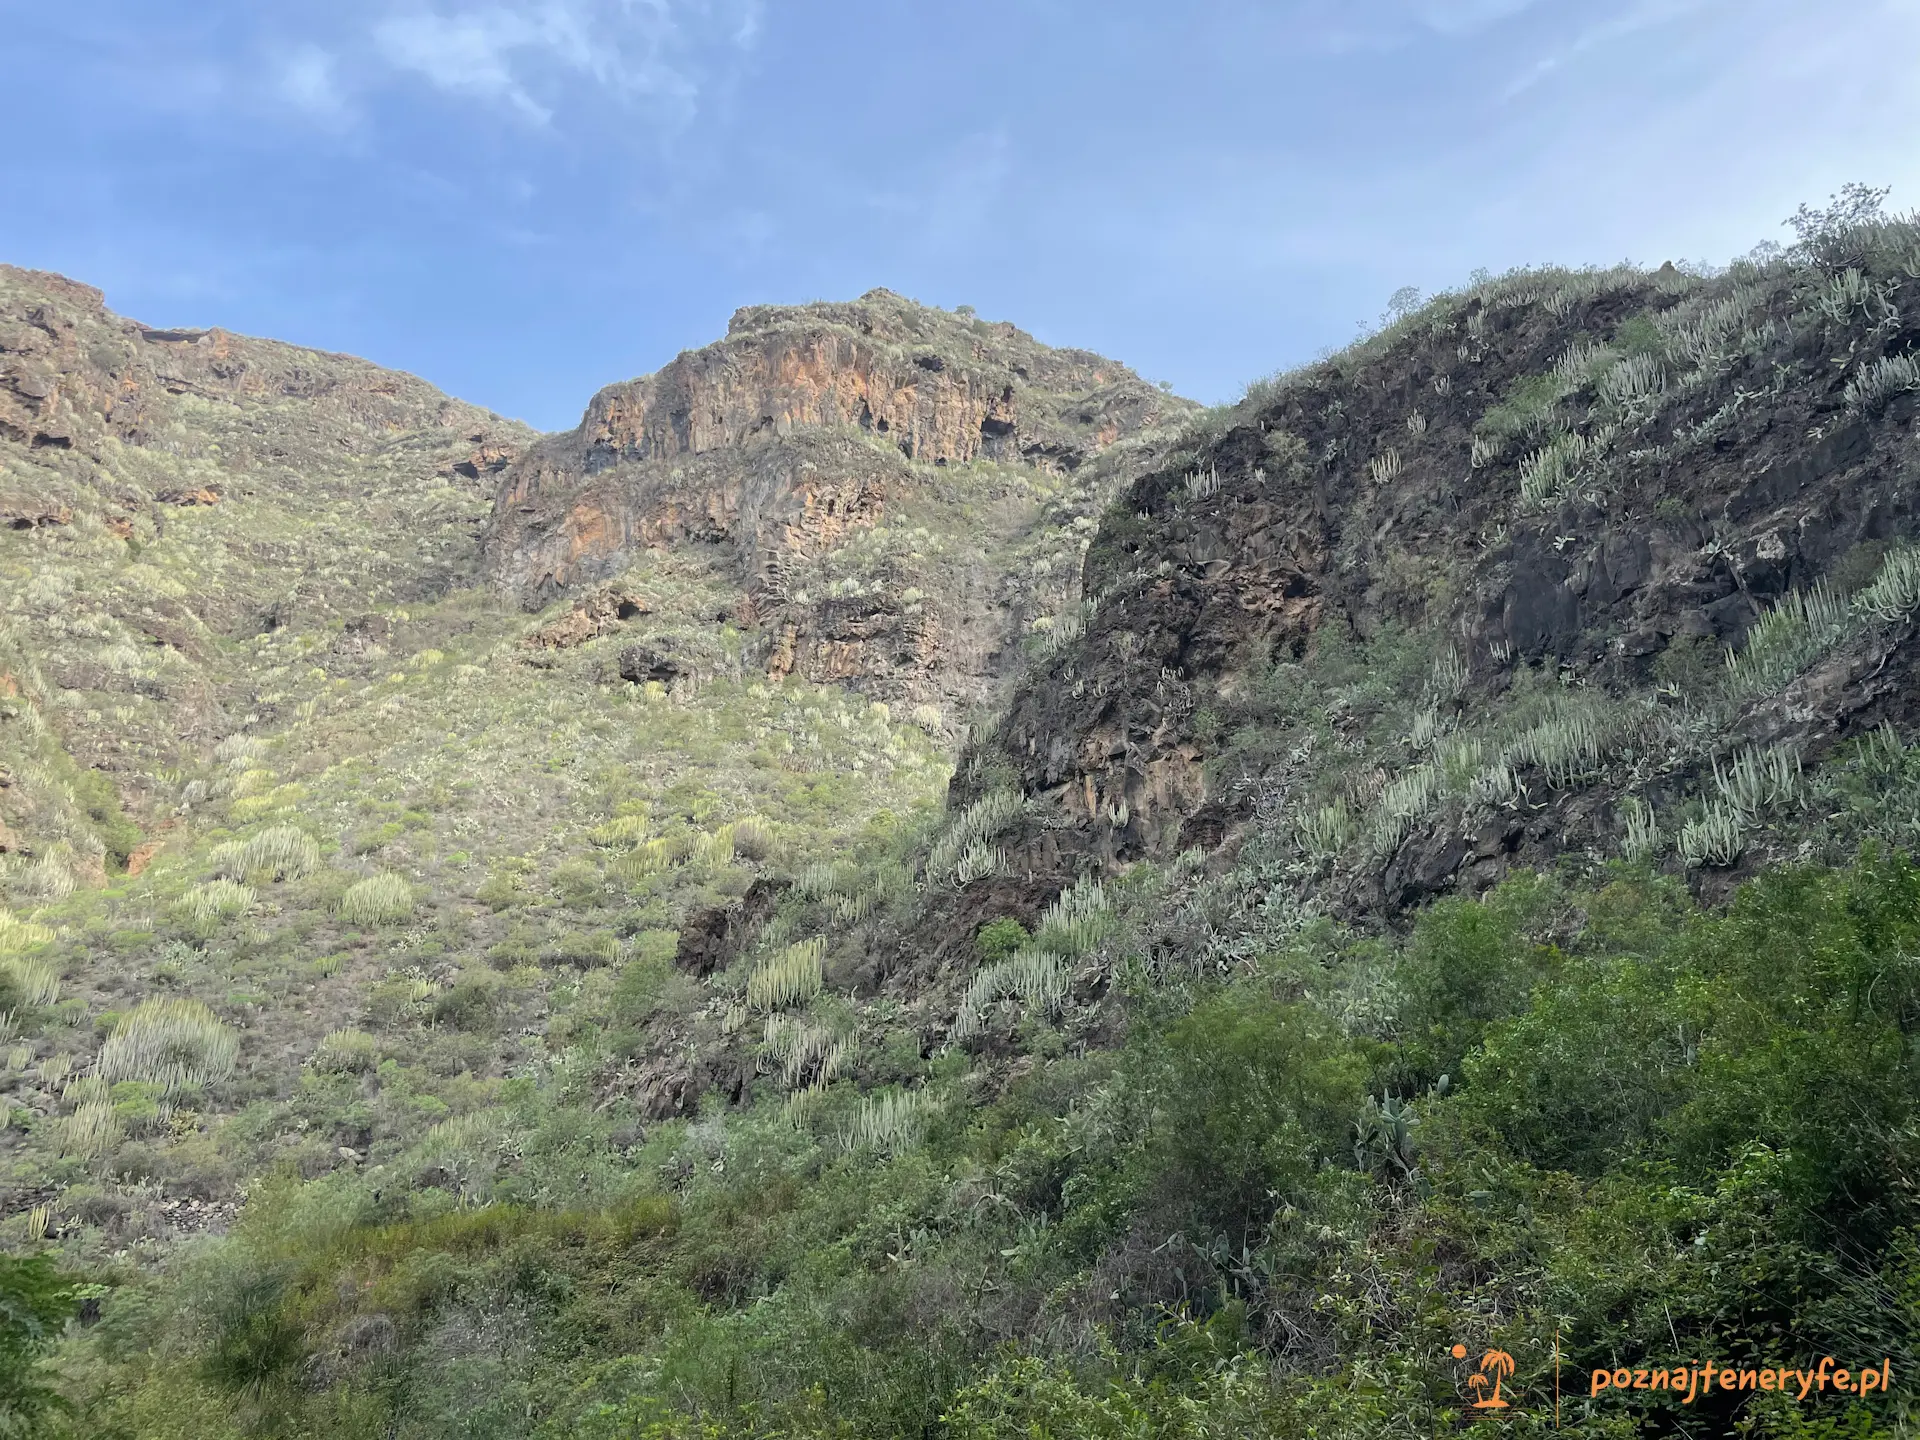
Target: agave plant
[(1716, 838), (377, 900), (891, 1122), (980, 822), (1873, 389), (791, 977), (173, 1043)]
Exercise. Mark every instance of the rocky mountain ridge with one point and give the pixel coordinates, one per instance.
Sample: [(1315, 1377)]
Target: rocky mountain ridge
[(173, 491), (1637, 528), (806, 429)]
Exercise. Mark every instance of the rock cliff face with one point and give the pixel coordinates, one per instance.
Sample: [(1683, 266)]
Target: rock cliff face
[(804, 428), (1605, 482), (166, 492), (73, 374)]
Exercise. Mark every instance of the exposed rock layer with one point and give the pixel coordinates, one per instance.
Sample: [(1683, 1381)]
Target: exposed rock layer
[(1348, 496), (778, 444)]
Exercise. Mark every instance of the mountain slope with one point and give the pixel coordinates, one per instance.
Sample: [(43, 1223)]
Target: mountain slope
[(169, 493), (278, 746), (1553, 507), (1426, 884)]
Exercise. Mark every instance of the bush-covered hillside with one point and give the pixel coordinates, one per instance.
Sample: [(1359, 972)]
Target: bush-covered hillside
[(1440, 877)]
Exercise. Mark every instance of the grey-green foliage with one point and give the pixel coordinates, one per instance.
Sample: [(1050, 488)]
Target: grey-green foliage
[(377, 900), (37, 981), (1548, 471), (1800, 628), (978, 861), (345, 1051), (1805, 624), (1076, 922), (1568, 743), (463, 1153), (284, 852), (1579, 733), (91, 1130), (892, 1121), (1704, 332), (1758, 780), (1642, 838), (978, 824), (1034, 977), (216, 900), (1894, 592), (1327, 831), (1633, 383), (1838, 297), (1874, 387), (172, 1043), (1407, 798), (1716, 838), (792, 977), (807, 1054)]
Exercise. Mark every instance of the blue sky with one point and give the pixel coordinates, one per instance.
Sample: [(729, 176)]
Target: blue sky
[(524, 200)]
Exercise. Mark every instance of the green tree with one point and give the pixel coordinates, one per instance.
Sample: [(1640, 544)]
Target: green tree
[(36, 1301)]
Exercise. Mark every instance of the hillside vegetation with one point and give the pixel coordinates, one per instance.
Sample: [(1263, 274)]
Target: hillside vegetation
[(1062, 916)]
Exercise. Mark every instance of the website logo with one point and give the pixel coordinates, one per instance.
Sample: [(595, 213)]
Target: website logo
[(1684, 1382), (1495, 1366)]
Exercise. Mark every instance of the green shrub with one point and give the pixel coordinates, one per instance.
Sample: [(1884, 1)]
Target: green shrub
[(1256, 1096), (1808, 991), (997, 939), (471, 1002), (515, 951), (94, 793), (579, 884), (645, 978), (37, 1301), (1469, 964), (137, 1105), (500, 891)]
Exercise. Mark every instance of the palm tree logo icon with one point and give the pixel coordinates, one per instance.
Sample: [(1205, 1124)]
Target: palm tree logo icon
[(1495, 1366)]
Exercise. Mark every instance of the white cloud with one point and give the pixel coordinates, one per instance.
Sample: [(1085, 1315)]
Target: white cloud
[(633, 49), (308, 80), (1461, 17), (1642, 15), (465, 54)]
